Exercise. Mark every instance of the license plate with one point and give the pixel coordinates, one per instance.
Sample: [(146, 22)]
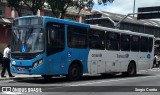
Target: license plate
[(21, 69)]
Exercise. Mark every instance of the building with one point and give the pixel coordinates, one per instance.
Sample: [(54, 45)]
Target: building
[(7, 15), (5, 24), (131, 23)]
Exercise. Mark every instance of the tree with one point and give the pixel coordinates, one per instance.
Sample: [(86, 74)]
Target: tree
[(59, 7), (16, 4), (104, 2), (34, 5)]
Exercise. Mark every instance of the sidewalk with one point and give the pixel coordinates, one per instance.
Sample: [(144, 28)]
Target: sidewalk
[(19, 76)]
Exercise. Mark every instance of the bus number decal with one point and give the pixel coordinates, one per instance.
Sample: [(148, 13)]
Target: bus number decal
[(97, 55), (123, 56)]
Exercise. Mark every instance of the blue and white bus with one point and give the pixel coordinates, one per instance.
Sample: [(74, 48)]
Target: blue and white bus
[(49, 47)]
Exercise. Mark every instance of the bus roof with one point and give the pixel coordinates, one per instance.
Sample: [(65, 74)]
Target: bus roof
[(120, 31), (157, 39), (70, 22), (47, 19)]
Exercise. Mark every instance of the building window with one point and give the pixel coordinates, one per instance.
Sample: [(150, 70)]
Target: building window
[(70, 18), (48, 13), (2, 10), (26, 12)]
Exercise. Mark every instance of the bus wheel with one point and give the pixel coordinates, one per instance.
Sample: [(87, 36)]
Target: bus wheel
[(131, 71), (74, 72), (47, 77)]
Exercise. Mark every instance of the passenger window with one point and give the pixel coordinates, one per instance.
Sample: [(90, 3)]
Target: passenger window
[(97, 39), (55, 40), (112, 41), (144, 44), (150, 46), (77, 37), (125, 42), (135, 43)]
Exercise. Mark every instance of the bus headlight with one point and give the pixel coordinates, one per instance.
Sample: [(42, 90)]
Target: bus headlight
[(37, 63), (13, 62)]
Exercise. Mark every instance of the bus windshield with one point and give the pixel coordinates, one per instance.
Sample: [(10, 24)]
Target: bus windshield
[(27, 40)]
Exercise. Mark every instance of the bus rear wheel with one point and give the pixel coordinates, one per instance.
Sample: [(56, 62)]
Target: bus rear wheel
[(131, 71), (74, 72), (47, 77)]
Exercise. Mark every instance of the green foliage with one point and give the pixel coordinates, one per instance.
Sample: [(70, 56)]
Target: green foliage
[(58, 7), (16, 4), (104, 2), (34, 5)]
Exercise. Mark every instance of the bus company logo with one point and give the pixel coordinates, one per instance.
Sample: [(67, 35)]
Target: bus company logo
[(21, 89), (123, 56), (97, 55), (148, 56)]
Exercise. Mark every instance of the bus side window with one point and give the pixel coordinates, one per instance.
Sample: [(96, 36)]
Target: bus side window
[(125, 42), (112, 41), (55, 37), (135, 43), (150, 46), (144, 44), (77, 37), (97, 39)]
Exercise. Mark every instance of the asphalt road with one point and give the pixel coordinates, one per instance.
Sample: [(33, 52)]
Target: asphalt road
[(144, 83)]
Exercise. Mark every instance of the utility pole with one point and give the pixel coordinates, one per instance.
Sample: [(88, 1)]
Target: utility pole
[(134, 7)]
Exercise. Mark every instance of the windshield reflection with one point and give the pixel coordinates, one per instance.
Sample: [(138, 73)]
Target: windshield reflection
[(27, 40)]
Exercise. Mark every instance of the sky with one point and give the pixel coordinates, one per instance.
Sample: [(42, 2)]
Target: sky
[(125, 6)]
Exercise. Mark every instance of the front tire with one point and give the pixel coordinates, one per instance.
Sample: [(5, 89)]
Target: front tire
[(47, 77), (74, 72)]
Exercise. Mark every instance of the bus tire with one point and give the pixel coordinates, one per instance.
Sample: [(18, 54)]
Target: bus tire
[(74, 72), (131, 71), (47, 77)]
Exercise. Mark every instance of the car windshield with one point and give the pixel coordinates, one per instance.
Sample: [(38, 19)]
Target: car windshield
[(27, 40)]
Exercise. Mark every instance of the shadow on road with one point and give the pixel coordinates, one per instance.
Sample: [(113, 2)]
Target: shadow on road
[(62, 79)]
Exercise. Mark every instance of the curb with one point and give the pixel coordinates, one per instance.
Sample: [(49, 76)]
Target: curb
[(19, 76)]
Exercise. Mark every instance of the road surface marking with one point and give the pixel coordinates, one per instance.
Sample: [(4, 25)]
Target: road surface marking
[(11, 93), (114, 80)]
